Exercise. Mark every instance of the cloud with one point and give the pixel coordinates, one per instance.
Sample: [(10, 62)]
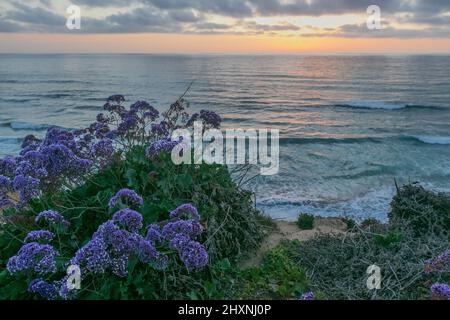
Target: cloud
[(232, 17)]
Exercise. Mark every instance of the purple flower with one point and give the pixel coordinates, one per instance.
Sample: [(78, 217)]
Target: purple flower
[(93, 256), (307, 296), (30, 140), (159, 146), (51, 217), (149, 111), (191, 253), (28, 187), (210, 118), (7, 166), (44, 289), (5, 184), (129, 122), (187, 210), (154, 233), (439, 264), (129, 219), (127, 194), (161, 129), (37, 235), (146, 251), (102, 118), (116, 98), (33, 256), (441, 291), (103, 148), (5, 201), (188, 228)]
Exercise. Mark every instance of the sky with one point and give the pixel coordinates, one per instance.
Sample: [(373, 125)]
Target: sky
[(226, 26)]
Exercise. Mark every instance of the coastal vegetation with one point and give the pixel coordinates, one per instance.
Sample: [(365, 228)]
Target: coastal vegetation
[(109, 200)]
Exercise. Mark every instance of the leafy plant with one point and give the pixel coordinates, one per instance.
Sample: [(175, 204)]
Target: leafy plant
[(305, 221)]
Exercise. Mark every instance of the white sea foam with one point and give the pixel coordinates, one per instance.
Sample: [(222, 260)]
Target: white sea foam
[(433, 139), (18, 125), (373, 105)]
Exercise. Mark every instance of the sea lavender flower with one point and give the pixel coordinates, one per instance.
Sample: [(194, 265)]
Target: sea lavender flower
[(44, 289), (146, 251), (187, 210), (159, 146), (129, 122), (93, 256), (126, 194), (210, 118), (28, 187), (5, 184), (51, 217), (116, 98), (5, 201), (307, 296), (129, 219), (8, 166), (439, 264), (103, 148), (189, 228), (30, 140), (101, 118), (34, 256), (144, 106), (194, 256), (161, 129), (441, 291), (37, 235), (154, 233)]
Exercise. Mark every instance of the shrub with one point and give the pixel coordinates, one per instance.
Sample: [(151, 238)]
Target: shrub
[(153, 188), (424, 211), (305, 221), (336, 264)]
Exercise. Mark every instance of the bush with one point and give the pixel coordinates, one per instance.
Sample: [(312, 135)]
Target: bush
[(424, 211), (229, 219), (336, 264), (305, 221)]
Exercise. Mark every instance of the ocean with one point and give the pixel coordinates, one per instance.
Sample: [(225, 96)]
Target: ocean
[(349, 125)]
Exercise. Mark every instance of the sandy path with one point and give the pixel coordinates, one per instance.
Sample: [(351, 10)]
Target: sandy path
[(289, 231)]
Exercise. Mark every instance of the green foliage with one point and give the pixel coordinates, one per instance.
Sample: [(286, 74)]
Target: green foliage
[(350, 223), (278, 277), (305, 221), (232, 227)]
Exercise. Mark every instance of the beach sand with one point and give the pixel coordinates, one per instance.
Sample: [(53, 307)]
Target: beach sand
[(289, 231)]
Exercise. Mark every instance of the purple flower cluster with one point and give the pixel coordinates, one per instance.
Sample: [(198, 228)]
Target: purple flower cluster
[(44, 165), (191, 253), (439, 264), (129, 219), (307, 296), (188, 228), (160, 129), (43, 235), (126, 194), (44, 289), (187, 210), (33, 256), (441, 291), (210, 119), (159, 146), (52, 217)]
